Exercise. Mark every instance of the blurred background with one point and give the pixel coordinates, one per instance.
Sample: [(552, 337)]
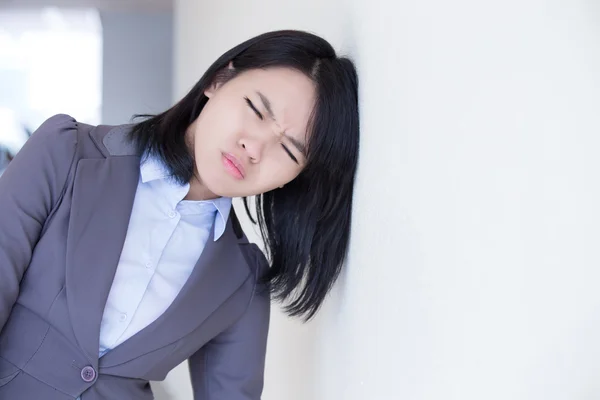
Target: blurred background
[(99, 61), (474, 266)]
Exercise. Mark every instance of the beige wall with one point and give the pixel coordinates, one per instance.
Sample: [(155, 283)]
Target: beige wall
[(474, 270)]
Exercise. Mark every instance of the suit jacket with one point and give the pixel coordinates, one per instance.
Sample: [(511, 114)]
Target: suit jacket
[(65, 202)]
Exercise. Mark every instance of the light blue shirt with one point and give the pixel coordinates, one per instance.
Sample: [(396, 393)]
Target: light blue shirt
[(164, 240)]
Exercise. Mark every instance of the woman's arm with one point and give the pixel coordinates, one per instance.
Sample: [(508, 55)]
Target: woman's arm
[(29, 188)]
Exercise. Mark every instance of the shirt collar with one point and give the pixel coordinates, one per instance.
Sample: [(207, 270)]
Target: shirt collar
[(153, 169), (223, 206)]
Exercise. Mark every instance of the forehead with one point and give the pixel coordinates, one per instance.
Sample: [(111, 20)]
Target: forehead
[(290, 92)]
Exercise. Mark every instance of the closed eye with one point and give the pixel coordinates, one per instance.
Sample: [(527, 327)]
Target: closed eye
[(290, 153), (258, 114)]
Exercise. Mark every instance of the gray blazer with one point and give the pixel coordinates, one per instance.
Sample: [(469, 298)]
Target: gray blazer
[(65, 202)]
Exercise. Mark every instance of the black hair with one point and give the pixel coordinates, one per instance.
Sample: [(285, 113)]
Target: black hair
[(306, 224)]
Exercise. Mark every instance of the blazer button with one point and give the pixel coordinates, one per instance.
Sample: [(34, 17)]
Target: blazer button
[(88, 374)]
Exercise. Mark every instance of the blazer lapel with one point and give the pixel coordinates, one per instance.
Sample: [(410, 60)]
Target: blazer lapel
[(103, 194), (220, 271)]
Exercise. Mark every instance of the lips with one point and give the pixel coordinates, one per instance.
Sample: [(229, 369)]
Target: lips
[(233, 166)]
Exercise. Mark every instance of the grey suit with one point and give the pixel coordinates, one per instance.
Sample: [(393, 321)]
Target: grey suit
[(65, 202)]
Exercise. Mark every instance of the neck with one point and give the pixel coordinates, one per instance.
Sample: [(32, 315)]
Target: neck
[(199, 192)]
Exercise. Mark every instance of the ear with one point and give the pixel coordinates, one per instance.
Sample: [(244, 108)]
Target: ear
[(218, 80), (210, 91)]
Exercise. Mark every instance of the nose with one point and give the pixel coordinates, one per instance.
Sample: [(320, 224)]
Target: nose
[(253, 148)]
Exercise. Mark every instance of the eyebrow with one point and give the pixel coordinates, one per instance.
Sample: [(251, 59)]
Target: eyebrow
[(267, 104), (301, 147)]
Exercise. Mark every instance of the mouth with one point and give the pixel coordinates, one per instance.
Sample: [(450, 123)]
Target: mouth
[(233, 166)]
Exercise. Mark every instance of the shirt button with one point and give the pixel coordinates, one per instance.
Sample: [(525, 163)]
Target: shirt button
[(123, 317), (172, 214), (88, 374), (148, 265)]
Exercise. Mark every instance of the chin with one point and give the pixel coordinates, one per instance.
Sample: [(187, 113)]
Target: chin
[(226, 186)]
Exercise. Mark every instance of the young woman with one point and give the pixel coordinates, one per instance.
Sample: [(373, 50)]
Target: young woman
[(120, 254)]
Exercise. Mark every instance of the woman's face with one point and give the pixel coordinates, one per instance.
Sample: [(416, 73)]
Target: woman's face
[(250, 137)]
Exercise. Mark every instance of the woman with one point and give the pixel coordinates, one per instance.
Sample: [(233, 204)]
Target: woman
[(120, 254)]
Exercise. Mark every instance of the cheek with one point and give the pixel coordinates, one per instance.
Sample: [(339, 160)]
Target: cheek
[(219, 122), (281, 172)]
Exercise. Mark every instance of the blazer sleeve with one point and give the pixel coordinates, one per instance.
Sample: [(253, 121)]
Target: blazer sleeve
[(231, 366), (29, 188)]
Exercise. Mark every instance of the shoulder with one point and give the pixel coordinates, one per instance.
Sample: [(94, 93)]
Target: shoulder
[(46, 158), (53, 143), (254, 256), (257, 261), (58, 122), (105, 140), (259, 268), (54, 131)]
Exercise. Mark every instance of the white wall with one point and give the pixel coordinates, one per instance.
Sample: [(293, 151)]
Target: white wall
[(137, 64), (474, 270), (203, 31)]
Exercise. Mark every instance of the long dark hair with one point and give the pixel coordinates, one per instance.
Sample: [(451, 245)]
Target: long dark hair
[(306, 224)]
